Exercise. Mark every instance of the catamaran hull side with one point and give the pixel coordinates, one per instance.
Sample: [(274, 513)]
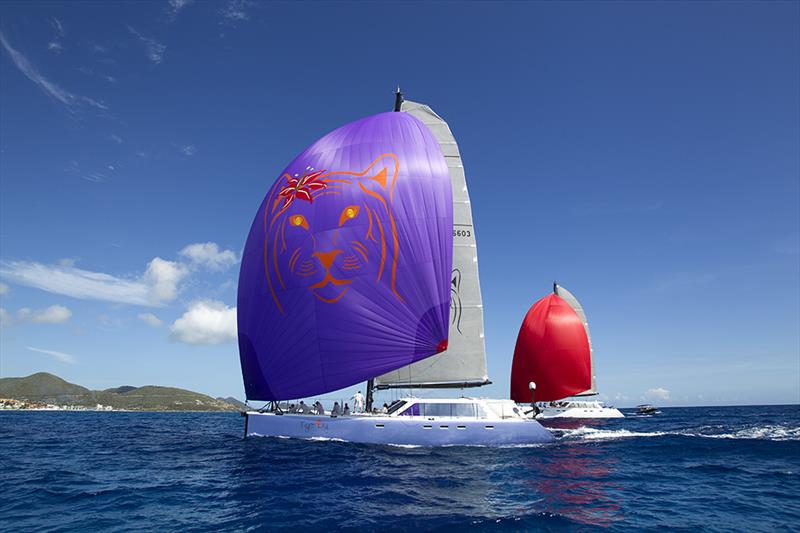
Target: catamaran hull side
[(393, 430)]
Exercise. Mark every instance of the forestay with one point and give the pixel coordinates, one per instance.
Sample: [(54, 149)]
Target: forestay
[(463, 364)]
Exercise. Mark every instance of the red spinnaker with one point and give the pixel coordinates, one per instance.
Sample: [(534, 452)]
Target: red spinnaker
[(553, 351)]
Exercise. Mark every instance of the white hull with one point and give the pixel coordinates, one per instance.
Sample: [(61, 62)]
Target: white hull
[(578, 409), (492, 423)]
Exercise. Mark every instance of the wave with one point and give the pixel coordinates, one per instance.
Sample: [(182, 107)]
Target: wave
[(587, 433), (770, 432)]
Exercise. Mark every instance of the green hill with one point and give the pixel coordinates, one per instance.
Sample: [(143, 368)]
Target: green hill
[(47, 388), (42, 386)]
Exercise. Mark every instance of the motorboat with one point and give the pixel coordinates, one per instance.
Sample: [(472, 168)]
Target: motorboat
[(576, 408), (646, 409)]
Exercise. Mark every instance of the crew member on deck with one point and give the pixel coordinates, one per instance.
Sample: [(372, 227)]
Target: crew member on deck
[(336, 411), (358, 401)]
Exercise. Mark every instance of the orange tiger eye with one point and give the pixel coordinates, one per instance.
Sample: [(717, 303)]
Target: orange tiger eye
[(348, 213), (298, 220)]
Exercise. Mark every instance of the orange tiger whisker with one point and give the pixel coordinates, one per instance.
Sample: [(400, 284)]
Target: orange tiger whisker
[(369, 229), (293, 259), (383, 248), (358, 248)]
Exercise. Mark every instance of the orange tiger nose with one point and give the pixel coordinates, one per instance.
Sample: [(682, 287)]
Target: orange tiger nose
[(326, 258)]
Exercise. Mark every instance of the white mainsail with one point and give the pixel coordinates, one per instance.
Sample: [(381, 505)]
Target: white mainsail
[(578, 308), (463, 364)]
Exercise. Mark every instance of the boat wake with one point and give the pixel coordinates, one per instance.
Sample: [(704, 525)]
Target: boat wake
[(769, 432), (587, 433)]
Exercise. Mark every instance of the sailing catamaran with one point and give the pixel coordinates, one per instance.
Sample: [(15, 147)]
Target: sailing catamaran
[(554, 359), (361, 266)]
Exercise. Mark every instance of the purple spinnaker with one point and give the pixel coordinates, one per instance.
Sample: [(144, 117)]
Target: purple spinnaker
[(346, 271)]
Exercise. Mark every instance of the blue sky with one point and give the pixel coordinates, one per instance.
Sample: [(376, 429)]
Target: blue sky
[(645, 155)]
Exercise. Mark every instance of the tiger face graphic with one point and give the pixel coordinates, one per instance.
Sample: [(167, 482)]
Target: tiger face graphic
[(326, 229)]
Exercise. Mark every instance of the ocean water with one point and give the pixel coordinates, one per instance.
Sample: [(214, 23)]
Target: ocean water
[(716, 469)]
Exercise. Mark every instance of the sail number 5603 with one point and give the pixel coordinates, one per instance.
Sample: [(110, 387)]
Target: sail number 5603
[(462, 233)]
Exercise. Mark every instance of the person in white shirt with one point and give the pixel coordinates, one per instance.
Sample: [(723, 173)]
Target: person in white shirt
[(358, 402)]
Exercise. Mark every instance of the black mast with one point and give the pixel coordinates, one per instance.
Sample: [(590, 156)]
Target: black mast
[(398, 99)]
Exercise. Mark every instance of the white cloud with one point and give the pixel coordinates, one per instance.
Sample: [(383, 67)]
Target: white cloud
[(116, 138), (155, 50), (162, 278), (55, 46), (150, 319), (55, 314), (3, 288), (205, 322), (159, 283), (188, 149), (48, 87), (659, 393), (58, 356), (208, 254)]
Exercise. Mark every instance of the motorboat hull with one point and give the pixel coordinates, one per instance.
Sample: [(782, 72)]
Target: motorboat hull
[(573, 409), (577, 412), (413, 431)]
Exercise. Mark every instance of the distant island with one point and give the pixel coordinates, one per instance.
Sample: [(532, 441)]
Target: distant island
[(48, 392)]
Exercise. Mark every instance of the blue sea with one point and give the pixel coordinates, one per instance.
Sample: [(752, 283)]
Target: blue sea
[(709, 468)]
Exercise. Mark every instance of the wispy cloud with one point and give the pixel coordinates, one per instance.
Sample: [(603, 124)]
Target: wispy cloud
[(49, 88), (58, 356), (156, 286), (95, 177), (175, 6), (89, 71), (236, 10), (56, 45), (205, 322), (150, 319), (3, 288), (188, 149), (155, 50), (57, 26), (116, 138)]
